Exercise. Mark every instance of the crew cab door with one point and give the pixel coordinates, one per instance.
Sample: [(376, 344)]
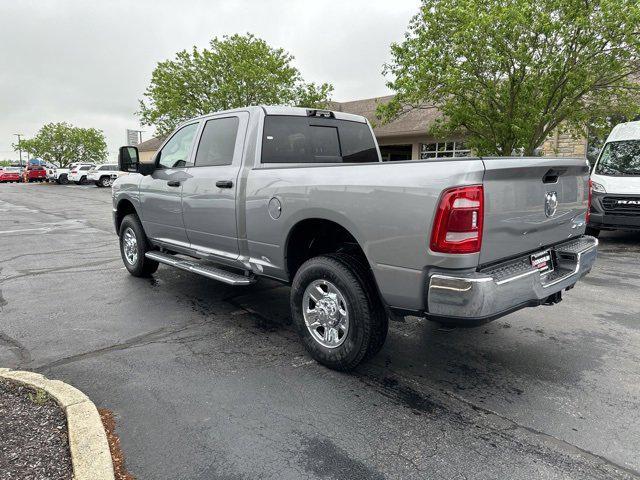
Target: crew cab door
[(160, 192), (209, 193)]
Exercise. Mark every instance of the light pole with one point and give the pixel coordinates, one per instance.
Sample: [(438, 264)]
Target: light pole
[(19, 147)]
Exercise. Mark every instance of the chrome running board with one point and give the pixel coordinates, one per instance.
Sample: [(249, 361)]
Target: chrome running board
[(204, 270)]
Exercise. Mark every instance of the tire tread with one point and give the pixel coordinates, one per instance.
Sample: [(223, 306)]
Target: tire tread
[(362, 288)]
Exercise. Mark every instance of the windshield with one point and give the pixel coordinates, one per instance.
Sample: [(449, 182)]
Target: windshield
[(620, 159)]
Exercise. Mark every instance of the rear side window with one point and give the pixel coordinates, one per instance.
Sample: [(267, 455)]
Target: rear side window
[(289, 139), (217, 142)]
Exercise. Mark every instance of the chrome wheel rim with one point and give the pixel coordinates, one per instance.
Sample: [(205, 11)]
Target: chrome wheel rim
[(130, 246), (325, 313)]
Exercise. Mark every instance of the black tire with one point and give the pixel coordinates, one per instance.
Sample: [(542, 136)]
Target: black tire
[(63, 179), (83, 180), (102, 182), (594, 232), (142, 266), (368, 320)]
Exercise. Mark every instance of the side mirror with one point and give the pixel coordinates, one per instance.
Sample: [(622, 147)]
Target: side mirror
[(128, 159)]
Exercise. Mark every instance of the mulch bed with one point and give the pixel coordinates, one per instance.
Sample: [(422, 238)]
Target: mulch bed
[(33, 436), (109, 423)]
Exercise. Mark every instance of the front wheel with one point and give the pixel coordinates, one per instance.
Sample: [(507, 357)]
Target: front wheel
[(337, 311), (104, 182), (133, 246)]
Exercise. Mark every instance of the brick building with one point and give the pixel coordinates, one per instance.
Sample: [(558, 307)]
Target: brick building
[(407, 137)]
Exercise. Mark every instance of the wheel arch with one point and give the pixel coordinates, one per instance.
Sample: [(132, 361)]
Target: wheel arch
[(124, 207), (317, 235)]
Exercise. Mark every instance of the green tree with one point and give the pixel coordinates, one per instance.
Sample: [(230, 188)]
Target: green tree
[(235, 71), (61, 144), (509, 72)]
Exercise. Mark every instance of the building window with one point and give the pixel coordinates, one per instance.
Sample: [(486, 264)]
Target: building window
[(392, 153), (444, 150)]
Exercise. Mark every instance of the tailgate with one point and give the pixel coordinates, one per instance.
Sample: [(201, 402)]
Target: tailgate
[(519, 199)]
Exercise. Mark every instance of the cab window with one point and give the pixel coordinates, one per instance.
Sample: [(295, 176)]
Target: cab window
[(175, 153), (296, 139), (217, 142)]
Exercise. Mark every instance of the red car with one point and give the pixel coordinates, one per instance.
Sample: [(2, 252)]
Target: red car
[(9, 174), (37, 174)]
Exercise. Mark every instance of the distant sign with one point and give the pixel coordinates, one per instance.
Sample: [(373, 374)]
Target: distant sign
[(133, 137)]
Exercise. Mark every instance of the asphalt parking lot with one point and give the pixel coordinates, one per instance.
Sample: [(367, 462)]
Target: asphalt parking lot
[(208, 381)]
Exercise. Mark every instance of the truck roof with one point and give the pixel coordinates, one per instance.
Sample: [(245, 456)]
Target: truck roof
[(625, 131), (290, 111), (303, 112)]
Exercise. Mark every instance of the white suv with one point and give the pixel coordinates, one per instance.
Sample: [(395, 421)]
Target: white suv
[(79, 173), (103, 175)]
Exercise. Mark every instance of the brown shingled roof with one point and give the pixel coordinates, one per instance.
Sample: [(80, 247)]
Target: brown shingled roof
[(151, 145), (415, 121)]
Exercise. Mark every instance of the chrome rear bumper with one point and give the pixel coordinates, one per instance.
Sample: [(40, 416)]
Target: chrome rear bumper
[(476, 297)]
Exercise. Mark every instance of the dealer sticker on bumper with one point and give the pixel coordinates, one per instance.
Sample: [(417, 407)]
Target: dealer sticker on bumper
[(542, 261)]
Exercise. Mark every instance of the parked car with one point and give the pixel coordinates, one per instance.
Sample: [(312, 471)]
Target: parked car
[(103, 175), (36, 173), (51, 173), (78, 173), (61, 174), (615, 182), (9, 174), (303, 197)]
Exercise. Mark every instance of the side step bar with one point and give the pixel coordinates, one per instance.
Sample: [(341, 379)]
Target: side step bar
[(206, 271)]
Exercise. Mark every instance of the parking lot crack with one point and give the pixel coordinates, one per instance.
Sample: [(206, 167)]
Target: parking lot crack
[(132, 342), (45, 271), (508, 424), (156, 336), (21, 352)]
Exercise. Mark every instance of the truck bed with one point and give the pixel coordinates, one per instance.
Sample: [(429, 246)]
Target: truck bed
[(389, 209)]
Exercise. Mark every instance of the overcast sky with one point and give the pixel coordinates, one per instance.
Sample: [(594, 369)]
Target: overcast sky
[(88, 62)]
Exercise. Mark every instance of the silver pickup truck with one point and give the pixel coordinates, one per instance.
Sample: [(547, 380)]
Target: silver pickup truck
[(302, 196)]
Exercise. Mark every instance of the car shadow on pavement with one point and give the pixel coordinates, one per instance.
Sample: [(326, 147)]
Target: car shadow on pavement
[(503, 358)]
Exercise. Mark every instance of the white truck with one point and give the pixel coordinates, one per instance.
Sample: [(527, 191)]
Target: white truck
[(302, 196), (615, 182)]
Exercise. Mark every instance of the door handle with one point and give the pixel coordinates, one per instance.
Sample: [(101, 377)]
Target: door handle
[(224, 184), (173, 183)]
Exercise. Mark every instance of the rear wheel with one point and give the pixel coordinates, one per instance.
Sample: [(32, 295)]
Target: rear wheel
[(133, 246), (63, 179), (83, 180), (337, 311)]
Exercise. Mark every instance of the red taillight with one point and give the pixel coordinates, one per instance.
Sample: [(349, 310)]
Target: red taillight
[(588, 215), (458, 224)]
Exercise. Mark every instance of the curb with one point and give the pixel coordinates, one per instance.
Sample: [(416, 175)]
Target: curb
[(90, 454)]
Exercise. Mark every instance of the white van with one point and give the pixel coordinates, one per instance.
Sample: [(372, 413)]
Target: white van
[(615, 182)]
